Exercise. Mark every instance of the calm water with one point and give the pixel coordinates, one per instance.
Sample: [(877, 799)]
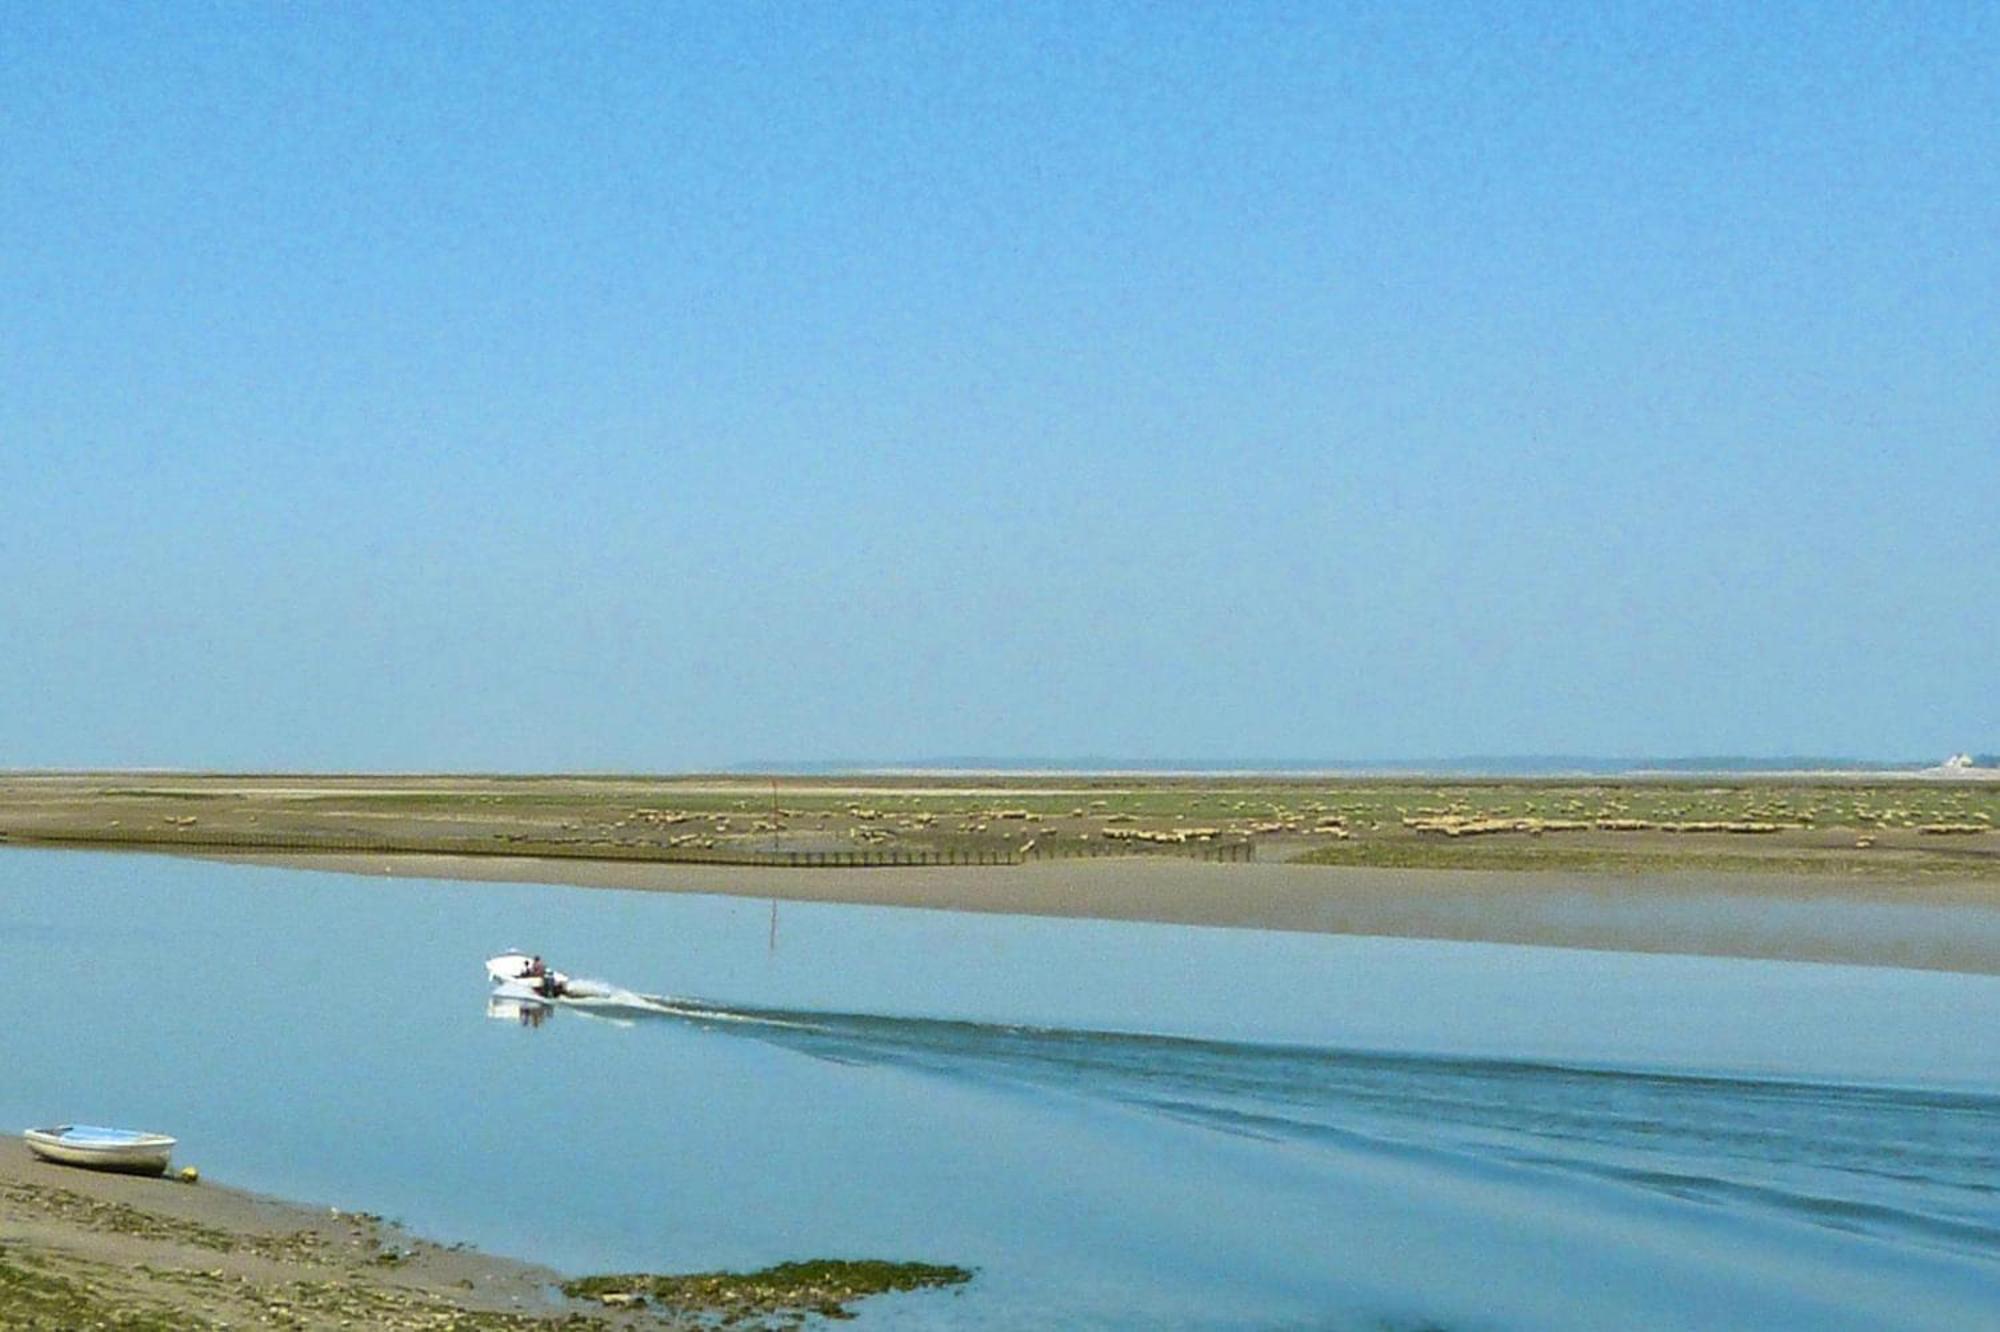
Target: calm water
[(1119, 1125)]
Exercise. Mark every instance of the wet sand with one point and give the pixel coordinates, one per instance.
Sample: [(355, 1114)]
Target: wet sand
[(1931, 923)]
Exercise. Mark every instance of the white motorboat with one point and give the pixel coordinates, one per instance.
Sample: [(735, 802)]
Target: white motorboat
[(99, 1148), (517, 981), (521, 970)]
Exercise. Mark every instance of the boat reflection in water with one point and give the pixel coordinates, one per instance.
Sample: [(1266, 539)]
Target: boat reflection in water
[(527, 1012), (530, 1011)]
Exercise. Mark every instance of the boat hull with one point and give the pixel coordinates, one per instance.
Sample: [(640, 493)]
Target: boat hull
[(507, 967), (123, 1153)]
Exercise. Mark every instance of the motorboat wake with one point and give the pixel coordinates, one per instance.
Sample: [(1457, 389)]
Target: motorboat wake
[(528, 991)]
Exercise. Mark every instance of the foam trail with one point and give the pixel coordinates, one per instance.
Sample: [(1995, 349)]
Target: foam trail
[(1912, 1166)]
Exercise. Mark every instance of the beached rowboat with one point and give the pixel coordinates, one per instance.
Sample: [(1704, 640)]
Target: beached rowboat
[(102, 1148)]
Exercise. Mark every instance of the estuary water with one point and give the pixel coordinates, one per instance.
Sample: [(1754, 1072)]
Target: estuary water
[(1117, 1125)]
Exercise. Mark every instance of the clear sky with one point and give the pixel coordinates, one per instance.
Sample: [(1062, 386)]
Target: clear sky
[(660, 386)]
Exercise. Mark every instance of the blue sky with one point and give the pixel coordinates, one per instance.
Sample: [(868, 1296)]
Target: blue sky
[(666, 386)]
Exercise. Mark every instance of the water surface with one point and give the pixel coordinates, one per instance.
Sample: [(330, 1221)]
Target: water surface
[(1118, 1124)]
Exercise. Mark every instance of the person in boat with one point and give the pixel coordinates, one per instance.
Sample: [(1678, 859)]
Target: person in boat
[(535, 967)]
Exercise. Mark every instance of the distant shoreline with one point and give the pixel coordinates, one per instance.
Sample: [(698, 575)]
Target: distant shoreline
[(1879, 873), (1553, 769)]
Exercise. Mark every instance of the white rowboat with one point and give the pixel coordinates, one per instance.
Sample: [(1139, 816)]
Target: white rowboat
[(102, 1148)]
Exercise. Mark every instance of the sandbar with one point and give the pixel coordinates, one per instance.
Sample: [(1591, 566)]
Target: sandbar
[(1930, 923)]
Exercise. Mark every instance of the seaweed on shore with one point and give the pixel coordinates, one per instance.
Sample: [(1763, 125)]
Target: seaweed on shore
[(783, 1296), (34, 1300)]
